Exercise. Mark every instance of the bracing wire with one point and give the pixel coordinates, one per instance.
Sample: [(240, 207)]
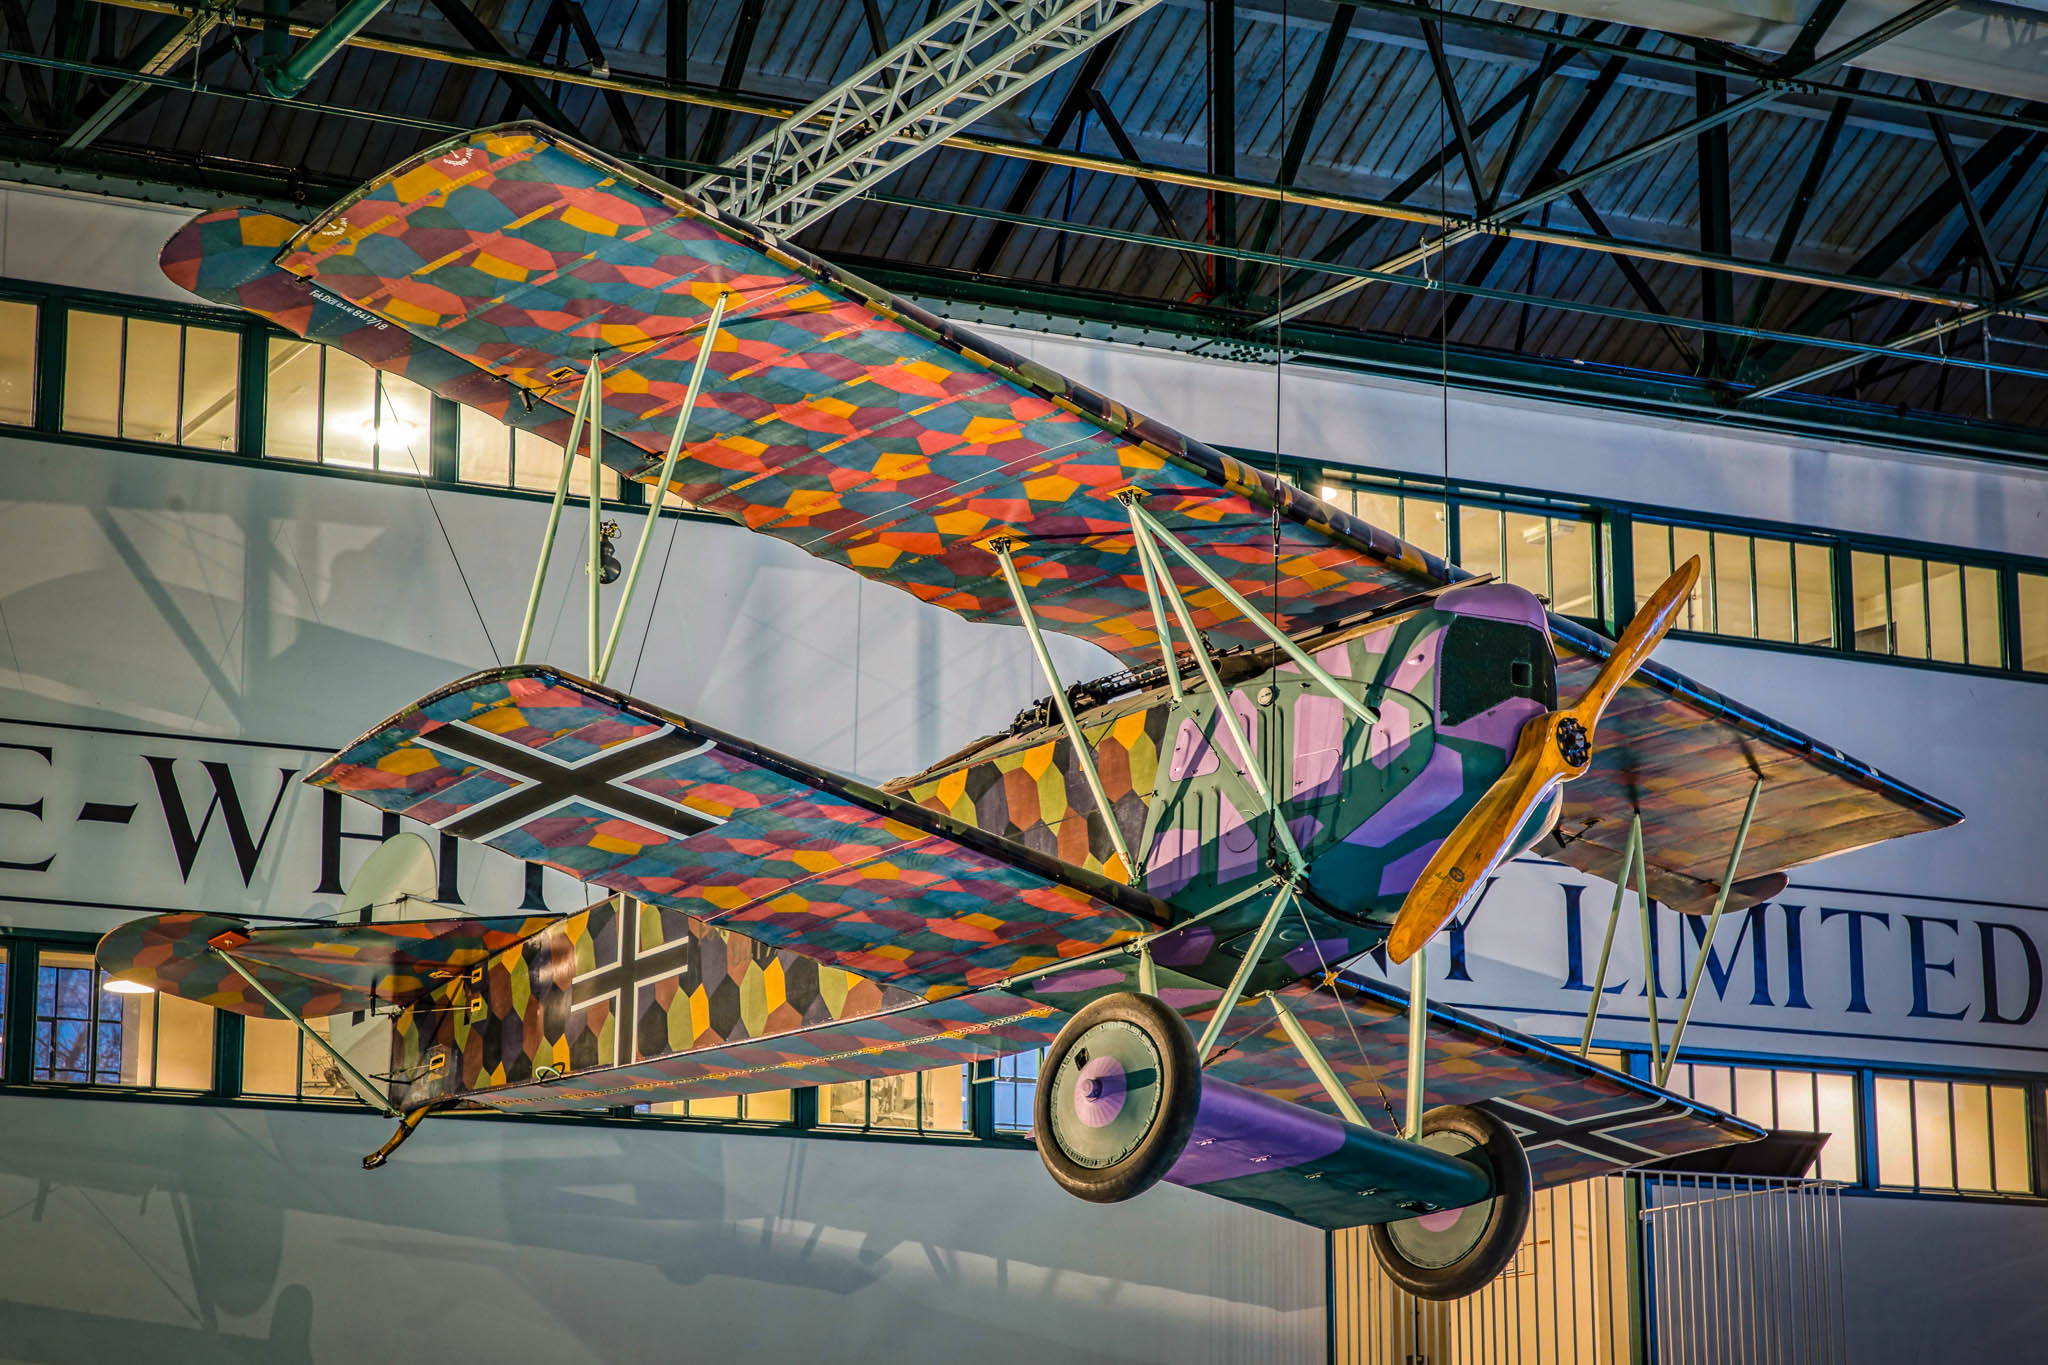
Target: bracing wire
[(412, 456)]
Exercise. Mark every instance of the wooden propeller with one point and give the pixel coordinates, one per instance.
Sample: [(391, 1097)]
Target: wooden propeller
[(1552, 748)]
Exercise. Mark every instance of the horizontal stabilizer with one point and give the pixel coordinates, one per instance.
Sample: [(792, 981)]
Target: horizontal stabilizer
[(312, 969)]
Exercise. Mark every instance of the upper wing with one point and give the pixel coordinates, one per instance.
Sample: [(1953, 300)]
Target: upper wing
[(314, 969), (868, 432), (1574, 1119), (559, 771)]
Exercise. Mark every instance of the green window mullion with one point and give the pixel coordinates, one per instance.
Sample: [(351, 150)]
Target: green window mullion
[(227, 1053), (1845, 596), (1756, 625), (52, 332), (444, 439), (1618, 551), (121, 384), (2011, 647), (803, 1107), (1866, 1147), (1927, 626), (252, 417), (178, 395), (19, 1062)]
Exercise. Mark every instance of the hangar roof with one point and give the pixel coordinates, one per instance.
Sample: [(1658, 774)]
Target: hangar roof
[(1174, 186)]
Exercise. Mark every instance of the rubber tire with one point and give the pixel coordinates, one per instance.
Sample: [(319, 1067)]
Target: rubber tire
[(1180, 1095), (1508, 1216)]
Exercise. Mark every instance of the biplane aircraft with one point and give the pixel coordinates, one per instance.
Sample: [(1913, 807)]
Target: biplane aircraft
[(1323, 742)]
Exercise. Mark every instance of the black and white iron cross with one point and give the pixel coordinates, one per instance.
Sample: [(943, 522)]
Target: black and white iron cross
[(1594, 1136), (545, 784), (618, 982)]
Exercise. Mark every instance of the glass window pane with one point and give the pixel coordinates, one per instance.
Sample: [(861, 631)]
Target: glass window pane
[(124, 1044), (579, 479), (1381, 509), (1423, 525), (1980, 616), (1872, 614), (1931, 1155), (320, 1075), (892, 1101), (184, 1043), (1909, 606), (664, 1108), (1815, 566), (92, 374), (844, 1103), (1572, 589), (1652, 544), (1773, 589), (291, 406), (270, 1057), (1753, 1096), (1894, 1131), (1339, 498), (404, 420), (1525, 552), (2009, 1140), (1794, 1094), (1686, 543), (483, 449), (1973, 1137), (1944, 623), (1479, 545), (2033, 649), (770, 1106), (212, 387), (943, 1106), (348, 428), (149, 381), (17, 363), (720, 1107), (1837, 1118), (536, 464), (1714, 1085), (1730, 568)]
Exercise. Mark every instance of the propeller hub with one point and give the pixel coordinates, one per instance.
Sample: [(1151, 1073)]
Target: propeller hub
[(1573, 743)]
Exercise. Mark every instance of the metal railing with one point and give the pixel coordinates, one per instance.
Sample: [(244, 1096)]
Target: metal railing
[(1742, 1268), (1629, 1269)]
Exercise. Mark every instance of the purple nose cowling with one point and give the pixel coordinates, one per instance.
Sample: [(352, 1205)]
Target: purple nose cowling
[(1099, 1097), (1494, 602)]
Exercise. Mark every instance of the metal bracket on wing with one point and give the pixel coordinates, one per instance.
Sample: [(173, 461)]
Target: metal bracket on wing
[(357, 1081), (1083, 752)]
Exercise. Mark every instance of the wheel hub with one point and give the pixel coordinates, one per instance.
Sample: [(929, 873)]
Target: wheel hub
[(1106, 1094)]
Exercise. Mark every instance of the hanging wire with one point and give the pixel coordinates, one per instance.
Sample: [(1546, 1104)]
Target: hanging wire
[(420, 474)]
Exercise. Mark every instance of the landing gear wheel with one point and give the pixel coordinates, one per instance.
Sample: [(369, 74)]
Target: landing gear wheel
[(1449, 1254), (1116, 1097)]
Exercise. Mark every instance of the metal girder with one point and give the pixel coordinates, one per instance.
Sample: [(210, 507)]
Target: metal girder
[(675, 61), (1154, 200), (1995, 158), (1547, 173), (1521, 93), (711, 145), (168, 44), (1583, 41), (1979, 234), (1904, 344), (1072, 105), (899, 106), (479, 36), (1307, 116), (1770, 90), (593, 54), (1222, 70), (1461, 134), (1802, 201), (1643, 289), (1716, 214)]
